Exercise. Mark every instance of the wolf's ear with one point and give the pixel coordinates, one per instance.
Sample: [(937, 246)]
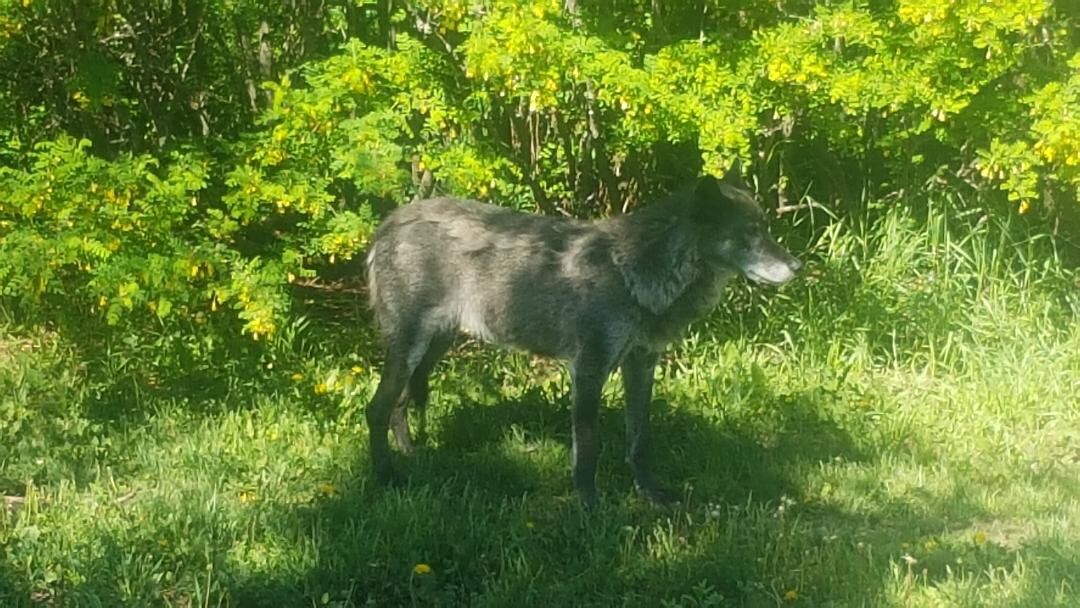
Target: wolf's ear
[(734, 176), (658, 268), (707, 187)]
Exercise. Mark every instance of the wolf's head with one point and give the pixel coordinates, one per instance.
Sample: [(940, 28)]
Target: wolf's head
[(733, 232)]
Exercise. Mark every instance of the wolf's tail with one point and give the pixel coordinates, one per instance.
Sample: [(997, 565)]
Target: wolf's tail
[(372, 280)]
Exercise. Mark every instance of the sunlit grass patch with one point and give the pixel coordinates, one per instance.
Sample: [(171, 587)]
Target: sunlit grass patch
[(861, 438)]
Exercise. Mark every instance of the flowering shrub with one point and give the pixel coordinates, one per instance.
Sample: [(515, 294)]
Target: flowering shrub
[(530, 104)]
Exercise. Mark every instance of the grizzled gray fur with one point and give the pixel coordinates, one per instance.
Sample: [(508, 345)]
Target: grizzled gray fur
[(603, 294)]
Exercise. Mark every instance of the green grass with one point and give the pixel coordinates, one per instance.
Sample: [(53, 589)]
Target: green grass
[(899, 428)]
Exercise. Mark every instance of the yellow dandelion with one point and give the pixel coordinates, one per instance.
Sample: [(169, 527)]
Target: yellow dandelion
[(421, 569), (791, 595), (1025, 206), (328, 489), (320, 388), (296, 377), (247, 496), (356, 370), (930, 545), (979, 538)]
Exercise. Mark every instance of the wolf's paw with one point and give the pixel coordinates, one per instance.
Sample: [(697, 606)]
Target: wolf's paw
[(658, 496), (389, 477), (405, 445), (587, 498)]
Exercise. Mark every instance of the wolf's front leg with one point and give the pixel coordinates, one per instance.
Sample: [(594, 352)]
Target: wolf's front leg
[(588, 385), (638, 367)]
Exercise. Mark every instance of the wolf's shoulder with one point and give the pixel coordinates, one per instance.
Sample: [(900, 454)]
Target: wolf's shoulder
[(452, 211), (448, 206)]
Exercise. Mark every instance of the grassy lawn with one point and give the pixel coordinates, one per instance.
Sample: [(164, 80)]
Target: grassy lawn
[(901, 427)]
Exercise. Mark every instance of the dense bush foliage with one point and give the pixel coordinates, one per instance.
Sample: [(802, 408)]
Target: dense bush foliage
[(167, 163), (187, 188)]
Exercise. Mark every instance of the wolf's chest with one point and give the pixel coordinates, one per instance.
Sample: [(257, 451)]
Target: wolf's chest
[(697, 301)]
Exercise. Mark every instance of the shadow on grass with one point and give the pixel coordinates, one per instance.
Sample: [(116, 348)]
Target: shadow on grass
[(489, 509), (488, 506)]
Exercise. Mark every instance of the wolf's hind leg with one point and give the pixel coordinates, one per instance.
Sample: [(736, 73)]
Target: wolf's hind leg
[(417, 392), (405, 350)]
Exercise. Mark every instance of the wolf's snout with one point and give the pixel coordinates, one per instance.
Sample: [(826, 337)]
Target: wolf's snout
[(771, 265)]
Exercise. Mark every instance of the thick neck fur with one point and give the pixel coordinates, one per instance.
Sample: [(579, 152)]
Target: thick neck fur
[(700, 297), (654, 250), (657, 251)]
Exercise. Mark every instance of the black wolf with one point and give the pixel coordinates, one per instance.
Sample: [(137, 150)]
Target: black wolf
[(600, 294)]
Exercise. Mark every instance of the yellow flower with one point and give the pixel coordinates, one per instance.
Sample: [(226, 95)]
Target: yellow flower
[(247, 496), (328, 489), (356, 370), (296, 377), (320, 388), (1025, 206), (980, 538), (791, 595), (421, 569)]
